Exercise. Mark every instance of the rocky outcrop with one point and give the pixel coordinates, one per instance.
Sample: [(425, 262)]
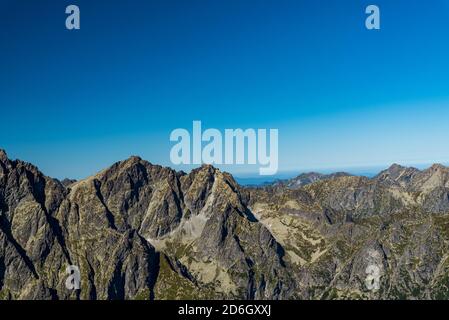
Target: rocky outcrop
[(308, 178)]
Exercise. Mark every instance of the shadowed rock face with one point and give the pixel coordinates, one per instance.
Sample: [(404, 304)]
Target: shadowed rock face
[(141, 231), (308, 178)]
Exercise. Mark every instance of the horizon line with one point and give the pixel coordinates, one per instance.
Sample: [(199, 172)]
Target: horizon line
[(255, 175)]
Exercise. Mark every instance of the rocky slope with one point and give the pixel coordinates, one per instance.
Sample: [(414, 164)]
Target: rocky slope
[(335, 229), (141, 231), (308, 178)]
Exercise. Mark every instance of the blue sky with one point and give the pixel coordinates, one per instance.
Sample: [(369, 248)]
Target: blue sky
[(74, 102)]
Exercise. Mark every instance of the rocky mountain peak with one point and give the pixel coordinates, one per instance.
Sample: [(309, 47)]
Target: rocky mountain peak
[(134, 159), (66, 182), (396, 170), (208, 168), (3, 155), (438, 167), (395, 167), (397, 174), (131, 161), (309, 178)]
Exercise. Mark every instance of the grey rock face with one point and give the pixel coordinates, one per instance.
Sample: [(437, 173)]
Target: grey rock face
[(308, 178)]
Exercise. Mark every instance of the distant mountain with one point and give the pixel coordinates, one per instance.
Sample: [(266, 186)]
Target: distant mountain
[(142, 231), (308, 178), (67, 182)]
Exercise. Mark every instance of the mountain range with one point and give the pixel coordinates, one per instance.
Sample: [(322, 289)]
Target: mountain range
[(142, 231)]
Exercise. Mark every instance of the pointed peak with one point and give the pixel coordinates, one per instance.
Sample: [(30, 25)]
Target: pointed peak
[(129, 161), (437, 167), (3, 155), (207, 168), (395, 170), (134, 159), (309, 174), (67, 182), (122, 165), (395, 166)]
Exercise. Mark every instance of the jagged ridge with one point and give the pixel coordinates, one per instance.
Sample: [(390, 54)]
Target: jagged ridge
[(142, 231)]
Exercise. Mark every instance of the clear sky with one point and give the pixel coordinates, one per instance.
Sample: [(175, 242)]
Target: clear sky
[(74, 102)]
